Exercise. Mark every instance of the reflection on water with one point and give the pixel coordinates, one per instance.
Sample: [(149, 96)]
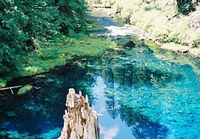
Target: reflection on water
[(140, 96), (156, 98), (112, 126)]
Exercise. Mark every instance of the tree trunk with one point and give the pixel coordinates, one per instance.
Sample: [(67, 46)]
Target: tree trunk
[(80, 120)]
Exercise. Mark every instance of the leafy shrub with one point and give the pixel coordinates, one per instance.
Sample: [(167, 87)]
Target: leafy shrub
[(185, 8), (26, 26), (49, 53), (160, 18)]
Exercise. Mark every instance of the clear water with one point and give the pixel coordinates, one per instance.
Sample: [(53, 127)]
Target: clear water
[(140, 95)]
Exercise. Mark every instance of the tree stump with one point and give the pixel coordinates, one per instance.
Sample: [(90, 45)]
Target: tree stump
[(80, 120)]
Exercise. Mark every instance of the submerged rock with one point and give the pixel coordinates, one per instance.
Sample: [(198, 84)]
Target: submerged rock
[(10, 114), (5, 124)]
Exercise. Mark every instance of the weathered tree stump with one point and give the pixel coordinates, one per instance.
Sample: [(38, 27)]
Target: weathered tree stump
[(80, 120)]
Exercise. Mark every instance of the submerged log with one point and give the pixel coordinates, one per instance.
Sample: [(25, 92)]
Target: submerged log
[(80, 120)]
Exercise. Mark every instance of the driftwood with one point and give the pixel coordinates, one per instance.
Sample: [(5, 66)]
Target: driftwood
[(13, 87), (10, 88), (80, 120)]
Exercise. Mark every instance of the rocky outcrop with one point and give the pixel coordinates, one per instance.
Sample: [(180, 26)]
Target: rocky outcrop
[(80, 120)]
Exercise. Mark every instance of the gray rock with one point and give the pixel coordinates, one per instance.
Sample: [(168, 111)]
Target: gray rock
[(183, 51)]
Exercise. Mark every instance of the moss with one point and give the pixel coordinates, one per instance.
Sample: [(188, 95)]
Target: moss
[(151, 44), (24, 90), (80, 46), (4, 80), (61, 49), (95, 28)]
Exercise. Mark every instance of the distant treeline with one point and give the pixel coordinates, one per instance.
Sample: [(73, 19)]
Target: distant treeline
[(178, 2), (26, 25), (166, 20)]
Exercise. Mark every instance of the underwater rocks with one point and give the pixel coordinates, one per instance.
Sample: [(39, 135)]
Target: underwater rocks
[(10, 114), (80, 120), (130, 44)]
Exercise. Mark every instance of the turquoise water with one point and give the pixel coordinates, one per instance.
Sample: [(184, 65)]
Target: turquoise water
[(140, 94)]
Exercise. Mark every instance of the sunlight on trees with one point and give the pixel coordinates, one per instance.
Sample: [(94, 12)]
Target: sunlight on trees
[(28, 25)]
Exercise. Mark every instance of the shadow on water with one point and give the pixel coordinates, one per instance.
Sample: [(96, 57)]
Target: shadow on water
[(39, 114), (146, 93), (140, 94)]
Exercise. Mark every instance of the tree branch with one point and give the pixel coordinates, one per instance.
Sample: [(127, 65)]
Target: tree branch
[(12, 87)]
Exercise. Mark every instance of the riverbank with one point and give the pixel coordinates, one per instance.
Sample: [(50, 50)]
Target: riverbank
[(167, 28), (60, 52), (64, 49), (131, 36), (133, 85)]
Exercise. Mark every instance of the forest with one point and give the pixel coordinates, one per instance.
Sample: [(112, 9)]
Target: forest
[(30, 30), (137, 62), (33, 34)]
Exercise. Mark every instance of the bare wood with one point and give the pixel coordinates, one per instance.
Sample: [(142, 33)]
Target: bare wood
[(12, 87), (80, 120)]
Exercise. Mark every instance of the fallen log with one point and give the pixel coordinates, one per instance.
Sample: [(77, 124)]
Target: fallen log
[(12, 87), (80, 120)]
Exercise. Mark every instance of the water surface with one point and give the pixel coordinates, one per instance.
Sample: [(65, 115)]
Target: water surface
[(142, 93)]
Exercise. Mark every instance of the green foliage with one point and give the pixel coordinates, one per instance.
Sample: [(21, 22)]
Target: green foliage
[(12, 38), (64, 49), (24, 90), (48, 53), (27, 26), (22, 23), (161, 19), (185, 8), (71, 16), (93, 26)]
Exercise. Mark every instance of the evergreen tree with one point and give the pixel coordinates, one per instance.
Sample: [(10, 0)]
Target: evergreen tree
[(71, 15), (12, 36), (26, 25)]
